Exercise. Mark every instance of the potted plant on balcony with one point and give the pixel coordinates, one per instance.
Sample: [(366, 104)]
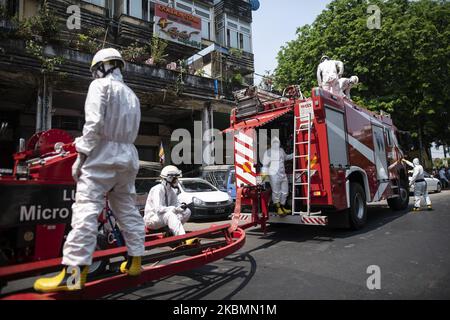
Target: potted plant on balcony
[(157, 50), (90, 42), (135, 53)]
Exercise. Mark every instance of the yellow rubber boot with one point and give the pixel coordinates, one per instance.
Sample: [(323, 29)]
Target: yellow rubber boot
[(69, 279), (280, 211), (191, 242), (286, 211), (132, 266)]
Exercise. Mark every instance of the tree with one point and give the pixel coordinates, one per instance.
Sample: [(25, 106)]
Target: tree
[(403, 66)]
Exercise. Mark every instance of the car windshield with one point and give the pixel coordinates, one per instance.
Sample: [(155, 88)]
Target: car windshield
[(196, 186), (217, 178)]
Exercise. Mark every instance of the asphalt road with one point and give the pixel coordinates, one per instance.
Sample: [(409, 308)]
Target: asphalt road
[(412, 251)]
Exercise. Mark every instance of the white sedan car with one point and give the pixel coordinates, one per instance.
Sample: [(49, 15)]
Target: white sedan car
[(433, 184), (204, 199)]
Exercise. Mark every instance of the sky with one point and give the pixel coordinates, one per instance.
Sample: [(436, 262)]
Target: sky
[(275, 23)]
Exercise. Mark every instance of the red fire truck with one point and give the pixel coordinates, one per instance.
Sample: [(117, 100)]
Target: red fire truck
[(345, 156)]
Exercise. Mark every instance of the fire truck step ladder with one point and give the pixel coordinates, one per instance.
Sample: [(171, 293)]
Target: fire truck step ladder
[(302, 124)]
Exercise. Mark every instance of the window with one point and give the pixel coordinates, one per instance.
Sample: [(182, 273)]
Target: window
[(238, 34), (336, 137), (206, 29), (232, 25), (388, 136), (247, 43), (135, 9), (233, 39), (184, 7), (138, 8)]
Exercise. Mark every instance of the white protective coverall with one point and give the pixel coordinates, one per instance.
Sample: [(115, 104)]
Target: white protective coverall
[(420, 185), (328, 74), (163, 209), (345, 85), (112, 123), (273, 166)]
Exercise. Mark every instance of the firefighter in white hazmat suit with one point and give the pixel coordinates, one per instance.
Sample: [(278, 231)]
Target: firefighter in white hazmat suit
[(273, 166), (107, 163), (346, 84), (163, 208), (328, 74), (420, 185)]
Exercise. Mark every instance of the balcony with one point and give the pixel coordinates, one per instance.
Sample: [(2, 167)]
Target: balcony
[(131, 29), (154, 86), (244, 63), (237, 8)]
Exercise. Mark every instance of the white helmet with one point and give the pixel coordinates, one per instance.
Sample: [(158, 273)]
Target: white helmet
[(324, 57), (275, 142), (169, 173), (354, 79), (106, 55)]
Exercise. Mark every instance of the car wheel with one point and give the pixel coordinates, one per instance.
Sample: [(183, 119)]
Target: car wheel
[(438, 188)]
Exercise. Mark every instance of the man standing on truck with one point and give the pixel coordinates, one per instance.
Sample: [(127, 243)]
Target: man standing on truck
[(163, 208), (107, 163), (420, 185), (346, 84), (328, 74), (273, 166)]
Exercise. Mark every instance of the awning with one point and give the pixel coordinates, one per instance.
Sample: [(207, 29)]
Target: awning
[(258, 120)]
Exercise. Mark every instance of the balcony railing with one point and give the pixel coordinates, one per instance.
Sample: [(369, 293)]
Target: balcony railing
[(238, 8)]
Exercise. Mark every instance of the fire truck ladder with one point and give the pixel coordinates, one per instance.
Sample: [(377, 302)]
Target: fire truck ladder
[(302, 124)]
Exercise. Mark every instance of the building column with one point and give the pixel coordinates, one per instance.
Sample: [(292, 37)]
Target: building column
[(44, 105), (207, 135)]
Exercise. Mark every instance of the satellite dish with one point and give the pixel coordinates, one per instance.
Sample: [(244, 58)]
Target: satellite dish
[(255, 4)]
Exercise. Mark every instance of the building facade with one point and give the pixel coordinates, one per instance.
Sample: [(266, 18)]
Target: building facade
[(184, 58)]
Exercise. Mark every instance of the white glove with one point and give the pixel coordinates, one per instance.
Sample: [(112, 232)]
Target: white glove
[(76, 168), (179, 210)]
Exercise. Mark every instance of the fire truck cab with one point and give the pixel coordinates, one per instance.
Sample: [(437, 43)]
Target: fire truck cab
[(344, 156)]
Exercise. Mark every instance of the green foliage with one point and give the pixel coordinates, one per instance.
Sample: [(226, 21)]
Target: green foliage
[(44, 25), (200, 72), (157, 48), (439, 163), (48, 64), (91, 41), (404, 67), (236, 52), (4, 12), (237, 79), (136, 52)]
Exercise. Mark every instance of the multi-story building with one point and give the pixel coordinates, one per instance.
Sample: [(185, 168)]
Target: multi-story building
[(46, 47)]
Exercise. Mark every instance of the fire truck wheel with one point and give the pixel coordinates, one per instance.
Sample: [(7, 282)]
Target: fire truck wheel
[(401, 202), (358, 207), (99, 267)]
